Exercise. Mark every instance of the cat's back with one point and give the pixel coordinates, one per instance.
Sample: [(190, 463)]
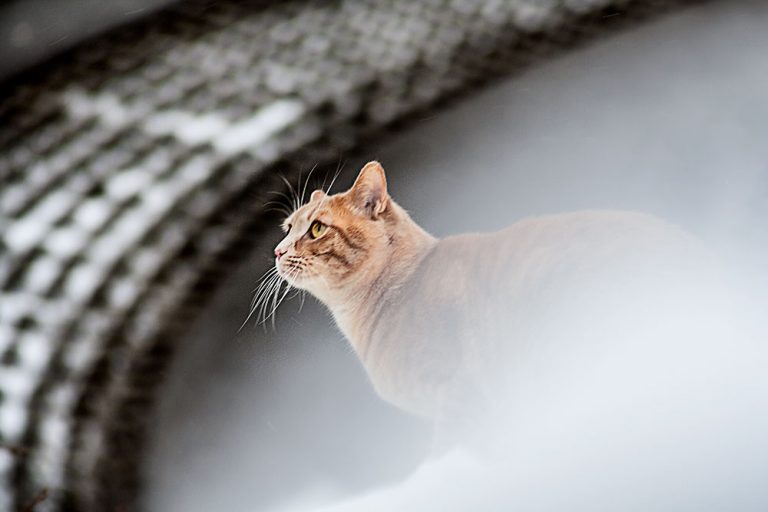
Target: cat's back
[(478, 301), (566, 273), (549, 294), (559, 246)]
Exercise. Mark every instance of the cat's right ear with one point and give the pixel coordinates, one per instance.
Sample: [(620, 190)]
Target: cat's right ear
[(317, 195), (369, 193)]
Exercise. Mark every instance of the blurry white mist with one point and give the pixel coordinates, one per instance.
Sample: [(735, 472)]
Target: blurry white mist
[(680, 426)]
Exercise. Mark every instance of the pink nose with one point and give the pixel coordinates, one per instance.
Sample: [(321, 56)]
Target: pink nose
[(279, 252)]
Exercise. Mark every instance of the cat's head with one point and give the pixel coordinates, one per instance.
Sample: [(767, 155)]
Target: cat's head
[(339, 243)]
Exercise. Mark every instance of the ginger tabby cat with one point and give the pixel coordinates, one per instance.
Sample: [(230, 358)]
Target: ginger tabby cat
[(446, 328)]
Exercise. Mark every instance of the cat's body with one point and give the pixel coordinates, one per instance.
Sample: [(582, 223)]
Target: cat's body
[(565, 356), (449, 328), (473, 301)]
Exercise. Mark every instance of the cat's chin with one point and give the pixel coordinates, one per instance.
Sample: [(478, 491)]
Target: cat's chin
[(295, 280), (288, 277), (311, 284)]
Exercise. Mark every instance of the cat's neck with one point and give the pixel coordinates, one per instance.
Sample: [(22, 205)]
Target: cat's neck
[(357, 310)]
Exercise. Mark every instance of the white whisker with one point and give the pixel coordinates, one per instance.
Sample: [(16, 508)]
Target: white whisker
[(303, 297), (264, 289), (328, 190), (278, 302), (295, 194), (286, 197), (273, 289), (277, 206), (304, 190), (333, 180), (267, 277)]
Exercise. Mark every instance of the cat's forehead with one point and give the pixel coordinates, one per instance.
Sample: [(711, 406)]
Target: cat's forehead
[(327, 207)]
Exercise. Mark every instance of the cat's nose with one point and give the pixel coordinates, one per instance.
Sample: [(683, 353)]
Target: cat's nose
[(279, 252)]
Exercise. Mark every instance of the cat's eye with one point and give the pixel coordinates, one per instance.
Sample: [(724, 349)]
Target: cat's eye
[(288, 228), (317, 229)]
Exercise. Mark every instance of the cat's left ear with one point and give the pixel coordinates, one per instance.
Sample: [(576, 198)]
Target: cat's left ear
[(369, 193)]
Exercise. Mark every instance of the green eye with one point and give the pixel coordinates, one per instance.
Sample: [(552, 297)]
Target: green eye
[(317, 229)]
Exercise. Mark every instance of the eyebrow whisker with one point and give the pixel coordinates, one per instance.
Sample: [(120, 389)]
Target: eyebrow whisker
[(304, 190)]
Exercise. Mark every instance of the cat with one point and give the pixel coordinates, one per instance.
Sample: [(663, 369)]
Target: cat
[(416, 309), (551, 317)]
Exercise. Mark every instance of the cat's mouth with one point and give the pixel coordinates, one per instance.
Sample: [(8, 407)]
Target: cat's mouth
[(291, 269)]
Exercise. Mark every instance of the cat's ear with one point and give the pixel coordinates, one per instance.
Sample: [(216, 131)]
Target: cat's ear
[(369, 193), (316, 195)]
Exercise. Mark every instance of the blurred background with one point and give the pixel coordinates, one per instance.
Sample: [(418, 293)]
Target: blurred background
[(33, 30), (130, 366)]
